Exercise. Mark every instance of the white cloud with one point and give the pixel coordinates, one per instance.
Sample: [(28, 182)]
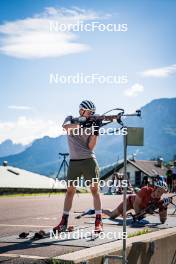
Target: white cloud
[(32, 38), (24, 130), (160, 72), (19, 107), (134, 90)]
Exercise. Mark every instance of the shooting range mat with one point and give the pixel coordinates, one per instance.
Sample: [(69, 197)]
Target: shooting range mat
[(83, 239), (151, 221)]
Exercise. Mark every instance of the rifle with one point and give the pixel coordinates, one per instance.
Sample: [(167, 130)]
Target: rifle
[(105, 119), (152, 207)]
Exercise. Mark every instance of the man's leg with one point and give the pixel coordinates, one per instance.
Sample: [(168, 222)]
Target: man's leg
[(97, 205), (96, 196), (69, 198), (112, 214), (67, 206), (91, 173), (118, 210)]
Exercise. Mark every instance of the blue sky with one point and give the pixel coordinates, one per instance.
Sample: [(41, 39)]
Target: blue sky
[(31, 107)]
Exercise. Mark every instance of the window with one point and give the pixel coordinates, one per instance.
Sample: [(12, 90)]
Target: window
[(137, 178)]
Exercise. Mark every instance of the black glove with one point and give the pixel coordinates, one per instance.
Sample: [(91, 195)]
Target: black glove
[(87, 123), (141, 217), (96, 127)]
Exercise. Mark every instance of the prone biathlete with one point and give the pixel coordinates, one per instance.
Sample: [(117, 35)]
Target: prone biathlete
[(141, 200)]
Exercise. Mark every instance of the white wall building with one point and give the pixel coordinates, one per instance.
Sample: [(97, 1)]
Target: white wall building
[(137, 170), (11, 177)]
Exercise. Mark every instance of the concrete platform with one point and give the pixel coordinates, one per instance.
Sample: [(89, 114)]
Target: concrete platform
[(153, 248)]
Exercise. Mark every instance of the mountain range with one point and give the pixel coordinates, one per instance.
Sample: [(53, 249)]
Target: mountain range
[(7, 148), (158, 120)]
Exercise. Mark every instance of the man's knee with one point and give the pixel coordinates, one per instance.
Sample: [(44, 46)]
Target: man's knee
[(71, 190), (115, 213), (94, 190)]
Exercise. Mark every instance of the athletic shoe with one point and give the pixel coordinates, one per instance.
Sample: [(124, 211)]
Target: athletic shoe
[(62, 226), (98, 224)]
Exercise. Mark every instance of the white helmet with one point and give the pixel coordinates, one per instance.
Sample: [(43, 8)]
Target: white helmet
[(87, 105), (161, 184)]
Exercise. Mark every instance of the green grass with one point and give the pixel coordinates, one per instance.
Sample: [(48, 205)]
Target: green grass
[(140, 232), (29, 194), (57, 261), (81, 191)]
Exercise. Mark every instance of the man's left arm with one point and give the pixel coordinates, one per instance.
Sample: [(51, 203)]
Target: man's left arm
[(163, 204), (93, 138), (92, 142), (163, 215)]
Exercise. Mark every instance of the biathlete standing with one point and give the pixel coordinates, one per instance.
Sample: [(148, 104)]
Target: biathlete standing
[(82, 162)]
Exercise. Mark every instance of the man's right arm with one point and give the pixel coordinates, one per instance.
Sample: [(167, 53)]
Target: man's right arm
[(68, 124), (70, 127)]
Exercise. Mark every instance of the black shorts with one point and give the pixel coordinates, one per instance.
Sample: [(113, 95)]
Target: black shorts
[(87, 168)]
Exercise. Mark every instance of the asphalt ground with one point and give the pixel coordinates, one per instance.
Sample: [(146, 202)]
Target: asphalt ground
[(19, 214)]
